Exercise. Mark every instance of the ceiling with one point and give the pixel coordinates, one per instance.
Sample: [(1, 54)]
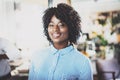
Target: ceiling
[(96, 5), (84, 5)]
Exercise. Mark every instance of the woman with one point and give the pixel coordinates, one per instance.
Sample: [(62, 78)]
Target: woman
[(60, 61)]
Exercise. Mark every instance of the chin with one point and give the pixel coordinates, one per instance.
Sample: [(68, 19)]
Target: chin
[(56, 42)]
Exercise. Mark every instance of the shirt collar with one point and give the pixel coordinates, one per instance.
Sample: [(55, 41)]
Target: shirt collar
[(61, 51)]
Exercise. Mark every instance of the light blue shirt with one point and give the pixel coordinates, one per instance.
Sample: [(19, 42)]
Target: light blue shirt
[(63, 64)]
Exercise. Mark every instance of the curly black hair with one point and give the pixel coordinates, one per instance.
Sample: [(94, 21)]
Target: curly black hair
[(67, 15)]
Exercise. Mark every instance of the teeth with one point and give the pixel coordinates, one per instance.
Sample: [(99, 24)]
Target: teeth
[(56, 35)]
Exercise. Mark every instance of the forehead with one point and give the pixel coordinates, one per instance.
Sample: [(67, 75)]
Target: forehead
[(54, 19)]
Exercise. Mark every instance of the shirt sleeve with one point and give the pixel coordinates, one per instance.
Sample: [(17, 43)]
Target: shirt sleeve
[(31, 72), (35, 63), (88, 72), (84, 68)]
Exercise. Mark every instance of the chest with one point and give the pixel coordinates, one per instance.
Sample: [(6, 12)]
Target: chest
[(58, 67)]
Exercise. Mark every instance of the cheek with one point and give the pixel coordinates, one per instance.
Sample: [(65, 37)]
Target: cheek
[(49, 31), (49, 34), (65, 32)]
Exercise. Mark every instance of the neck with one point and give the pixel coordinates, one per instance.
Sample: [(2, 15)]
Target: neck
[(60, 45)]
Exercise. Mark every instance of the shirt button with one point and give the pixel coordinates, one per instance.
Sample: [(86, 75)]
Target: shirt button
[(62, 54)]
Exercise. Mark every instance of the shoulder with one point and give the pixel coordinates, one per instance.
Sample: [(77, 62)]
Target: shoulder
[(79, 55), (82, 63), (80, 58)]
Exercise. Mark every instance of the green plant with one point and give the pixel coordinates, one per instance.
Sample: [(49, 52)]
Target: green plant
[(103, 41)]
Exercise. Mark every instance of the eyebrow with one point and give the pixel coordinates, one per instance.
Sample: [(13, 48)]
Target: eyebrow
[(59, 22)]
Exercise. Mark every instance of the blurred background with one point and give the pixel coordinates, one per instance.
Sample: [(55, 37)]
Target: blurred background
[(21, 23)]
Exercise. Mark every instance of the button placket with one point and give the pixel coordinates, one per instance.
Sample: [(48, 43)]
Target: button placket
[(54, 65)]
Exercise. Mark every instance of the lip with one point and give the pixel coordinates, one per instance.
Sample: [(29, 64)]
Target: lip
[(56, 35)]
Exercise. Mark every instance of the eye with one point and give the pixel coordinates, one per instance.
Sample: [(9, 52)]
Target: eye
[(61, 25), (50, 25)]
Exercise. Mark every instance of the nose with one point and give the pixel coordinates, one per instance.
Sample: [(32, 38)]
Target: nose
[(56, 28)]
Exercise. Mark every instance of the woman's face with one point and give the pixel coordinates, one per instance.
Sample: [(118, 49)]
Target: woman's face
[(58, 31)]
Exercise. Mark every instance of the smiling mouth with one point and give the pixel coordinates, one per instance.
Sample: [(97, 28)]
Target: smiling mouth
[(56, 35)]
